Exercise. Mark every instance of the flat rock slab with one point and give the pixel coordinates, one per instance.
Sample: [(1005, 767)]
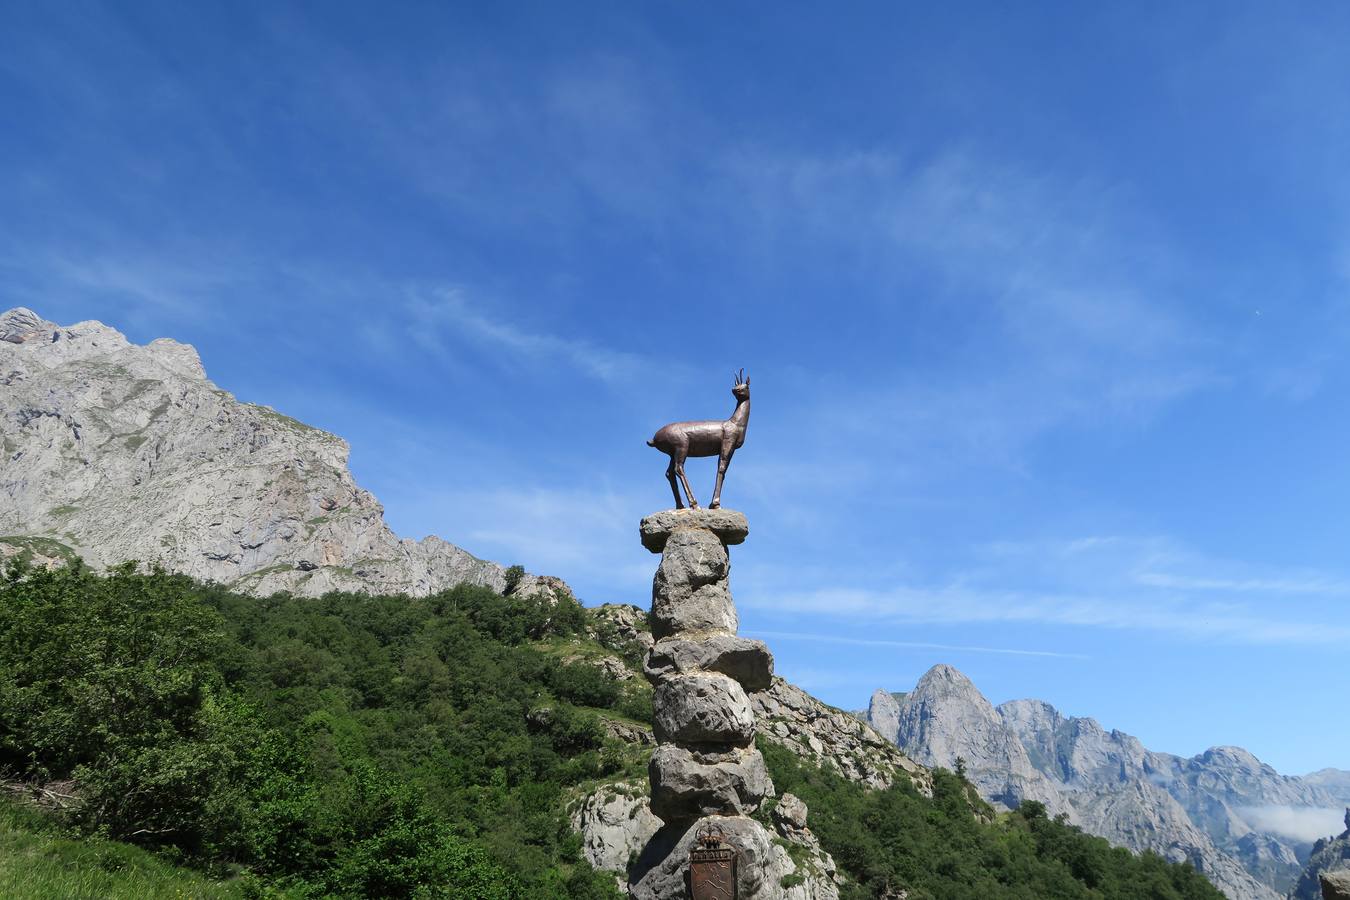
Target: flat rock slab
[(729, 526), (748, 661)]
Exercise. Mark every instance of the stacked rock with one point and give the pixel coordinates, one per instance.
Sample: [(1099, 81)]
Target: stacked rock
[(706, 774)]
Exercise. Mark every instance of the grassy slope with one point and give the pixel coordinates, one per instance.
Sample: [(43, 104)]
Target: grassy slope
[(37, 862)]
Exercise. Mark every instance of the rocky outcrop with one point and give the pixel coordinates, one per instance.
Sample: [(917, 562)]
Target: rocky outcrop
[(789, 716), (1335, 885), (114, 452), (615, 823), (1328, 869), (706, 775), (621, 626), (1207, 810)]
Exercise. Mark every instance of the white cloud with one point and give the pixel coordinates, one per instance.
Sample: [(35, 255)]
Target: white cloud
[(908, 645), (1302, 823), (1089, 583)]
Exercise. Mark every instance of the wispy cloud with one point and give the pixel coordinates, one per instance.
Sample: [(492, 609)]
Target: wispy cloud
[(1098, 583), (964, 606), (447, 317), (136, 287), (1310, 585), (908, 645)]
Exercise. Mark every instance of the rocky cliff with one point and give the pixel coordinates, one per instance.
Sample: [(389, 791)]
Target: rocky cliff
[(1219, 810), (1327, 876), (114, 451)]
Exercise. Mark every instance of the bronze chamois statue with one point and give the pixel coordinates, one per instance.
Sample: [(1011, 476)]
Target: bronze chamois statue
[(679, 440)]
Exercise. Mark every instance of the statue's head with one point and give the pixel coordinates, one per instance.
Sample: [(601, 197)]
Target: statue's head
[(742, 389)]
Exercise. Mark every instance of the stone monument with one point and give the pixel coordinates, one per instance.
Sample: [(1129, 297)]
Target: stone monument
[(706, 775)]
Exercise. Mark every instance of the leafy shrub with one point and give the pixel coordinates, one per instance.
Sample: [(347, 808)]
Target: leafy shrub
[(348, 746), (940, 850)]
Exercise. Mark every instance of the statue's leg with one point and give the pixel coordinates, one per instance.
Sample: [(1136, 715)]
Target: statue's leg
[(679, 470), (674, 488), (722, 462)]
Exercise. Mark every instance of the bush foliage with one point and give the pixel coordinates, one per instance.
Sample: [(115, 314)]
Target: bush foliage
[(363, 746), (353, 745)]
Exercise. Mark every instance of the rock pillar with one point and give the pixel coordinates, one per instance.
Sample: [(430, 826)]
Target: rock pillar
[(705, 773)]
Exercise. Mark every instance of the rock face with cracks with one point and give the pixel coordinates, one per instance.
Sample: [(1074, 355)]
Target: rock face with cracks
[(706, 774), (690, 593), (115, 451), (702, 708)]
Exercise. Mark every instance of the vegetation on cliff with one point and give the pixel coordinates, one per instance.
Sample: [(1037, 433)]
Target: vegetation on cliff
[(384, 746), (351, 745)]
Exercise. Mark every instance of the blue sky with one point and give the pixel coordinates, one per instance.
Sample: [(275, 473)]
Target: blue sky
[(1045, 306)]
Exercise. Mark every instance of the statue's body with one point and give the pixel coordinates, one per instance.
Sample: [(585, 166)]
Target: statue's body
[(680, 440)]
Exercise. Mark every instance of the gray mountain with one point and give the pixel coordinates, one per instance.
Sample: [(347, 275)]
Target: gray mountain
[(114, 451), (1236, 819)]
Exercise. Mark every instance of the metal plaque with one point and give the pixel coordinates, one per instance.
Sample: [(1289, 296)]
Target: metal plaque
[(712, 871)]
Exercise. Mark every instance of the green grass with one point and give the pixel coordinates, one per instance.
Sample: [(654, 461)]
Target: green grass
[(37, 863)]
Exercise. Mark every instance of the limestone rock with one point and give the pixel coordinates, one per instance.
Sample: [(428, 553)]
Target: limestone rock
[(830, 737), (628, 732), (706, 708), (615, 823), (1336, 885), (789, 815), (687, 784), (748, 661), (662, 871), (883, 712), (1197, 810), (546, 587), (1329, 858), (115, 451), (690, 593), (730, 526), (621, 623)]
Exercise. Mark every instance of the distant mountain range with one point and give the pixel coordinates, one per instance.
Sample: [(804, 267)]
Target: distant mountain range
[(1249, 829), (114, 452)]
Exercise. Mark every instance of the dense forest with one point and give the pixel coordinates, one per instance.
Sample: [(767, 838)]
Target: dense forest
[(360, 746)]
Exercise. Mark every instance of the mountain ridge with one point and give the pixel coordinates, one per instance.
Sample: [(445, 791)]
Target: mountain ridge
[(116, 451), (1217, 809)]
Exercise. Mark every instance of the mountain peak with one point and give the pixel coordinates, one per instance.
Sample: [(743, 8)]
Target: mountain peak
[(118, 451), (946, 680), (21, 324)]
